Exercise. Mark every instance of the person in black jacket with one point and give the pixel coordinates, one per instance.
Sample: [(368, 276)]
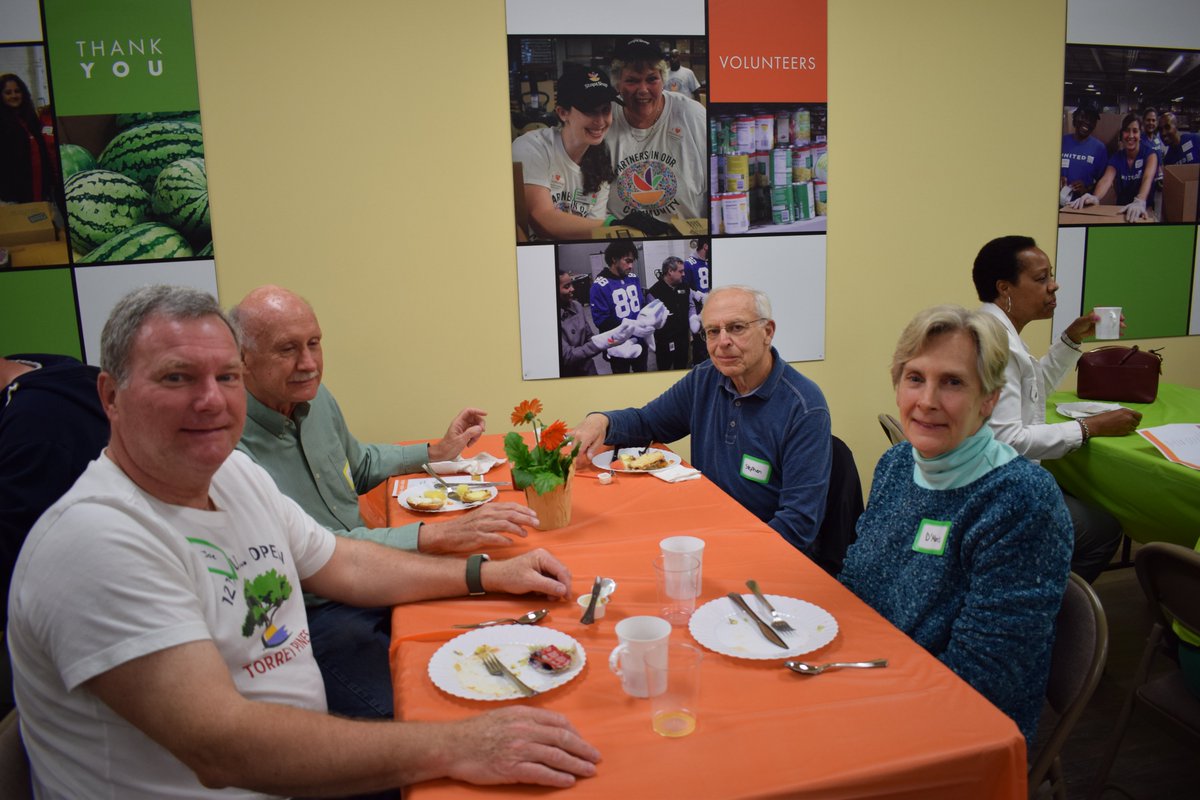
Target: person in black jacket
[(671, 341), (51, 428)]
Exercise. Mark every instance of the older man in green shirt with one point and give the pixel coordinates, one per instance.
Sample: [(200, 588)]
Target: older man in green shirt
[(295, 430)]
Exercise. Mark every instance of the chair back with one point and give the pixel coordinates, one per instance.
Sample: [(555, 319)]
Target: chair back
[(1170, 577), (891, 429), (1076, 664), (15, 783), (843, 507)]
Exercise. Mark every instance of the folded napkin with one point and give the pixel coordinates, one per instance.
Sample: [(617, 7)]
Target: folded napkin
[(1085, 409), (475, 465), (677, 474)]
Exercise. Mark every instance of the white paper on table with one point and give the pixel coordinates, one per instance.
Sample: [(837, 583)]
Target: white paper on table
[(1178, 442)]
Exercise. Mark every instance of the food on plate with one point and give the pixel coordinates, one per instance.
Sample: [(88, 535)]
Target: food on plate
[(652, 459), (429, 501), (551, 659), (468, 495)]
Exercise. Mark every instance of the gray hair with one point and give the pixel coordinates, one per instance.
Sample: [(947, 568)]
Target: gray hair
[(669, 263), (991, 341), (762, 303), (133, 310), (617, 65)]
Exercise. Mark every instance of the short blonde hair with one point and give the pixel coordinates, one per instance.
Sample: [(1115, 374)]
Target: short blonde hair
[(991, 342)]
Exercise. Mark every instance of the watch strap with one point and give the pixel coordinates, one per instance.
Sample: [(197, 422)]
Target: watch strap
[(475, 574)]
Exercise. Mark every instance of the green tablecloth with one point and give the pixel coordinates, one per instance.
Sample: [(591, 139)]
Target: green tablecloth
[(1155, 500)]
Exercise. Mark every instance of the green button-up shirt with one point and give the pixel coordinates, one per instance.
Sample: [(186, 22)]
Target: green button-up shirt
[(316, 462)]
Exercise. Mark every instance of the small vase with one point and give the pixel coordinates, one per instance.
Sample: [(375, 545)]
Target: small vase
[(554, 507)]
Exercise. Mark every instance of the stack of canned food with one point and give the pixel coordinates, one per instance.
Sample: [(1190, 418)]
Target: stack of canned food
[(766, 168)]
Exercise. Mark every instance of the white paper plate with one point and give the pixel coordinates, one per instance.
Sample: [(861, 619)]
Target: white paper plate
[(456, 670), (1085, 409), (451, 503), (724, 628), (604, 462)]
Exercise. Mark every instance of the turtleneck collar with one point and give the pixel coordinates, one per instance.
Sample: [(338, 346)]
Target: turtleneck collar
[(979, 454)]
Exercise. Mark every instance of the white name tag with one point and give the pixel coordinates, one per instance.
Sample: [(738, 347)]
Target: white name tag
[(931, 538), (1066, 163), (755, 469), (346, 474), (1187, 145), (1137, 164)]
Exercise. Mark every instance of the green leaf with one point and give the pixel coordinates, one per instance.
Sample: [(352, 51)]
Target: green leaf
[(545, 481), (516, 450), (522, 477)]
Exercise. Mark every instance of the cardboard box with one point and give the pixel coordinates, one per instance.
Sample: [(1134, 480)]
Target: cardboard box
[(1181, 184), (617, 232), (1096, 215), (26, 223), (41, 254), (691, 227)]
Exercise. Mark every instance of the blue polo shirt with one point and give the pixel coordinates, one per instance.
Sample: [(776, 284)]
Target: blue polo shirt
[(768, 449), (1186, 152), (1129, 176)]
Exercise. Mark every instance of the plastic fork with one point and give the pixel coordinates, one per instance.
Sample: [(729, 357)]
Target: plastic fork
[(495, 667), (777, 621)]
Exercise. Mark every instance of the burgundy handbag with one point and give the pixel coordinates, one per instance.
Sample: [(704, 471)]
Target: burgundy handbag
[(1123, 374)]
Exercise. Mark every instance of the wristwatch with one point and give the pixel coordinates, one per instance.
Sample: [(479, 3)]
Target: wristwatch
[(474, 574)]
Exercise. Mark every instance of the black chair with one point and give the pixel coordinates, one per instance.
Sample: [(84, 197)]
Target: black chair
[(1170, 577), (14, 765), (843, 507), (1076, 664), (891, 429)]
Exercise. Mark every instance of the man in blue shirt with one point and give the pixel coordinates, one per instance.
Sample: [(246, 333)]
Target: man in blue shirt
[(1084, 157), (760, 430), (617, 295), (1182, 147)]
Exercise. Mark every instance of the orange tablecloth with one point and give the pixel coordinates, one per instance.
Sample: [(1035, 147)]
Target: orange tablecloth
[(912, 730)]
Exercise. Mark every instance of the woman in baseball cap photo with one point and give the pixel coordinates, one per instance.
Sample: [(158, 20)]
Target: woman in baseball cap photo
[(567, 169)]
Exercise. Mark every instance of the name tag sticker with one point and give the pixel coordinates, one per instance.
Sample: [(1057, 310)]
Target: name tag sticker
[(931, 538), (755, 469), (1186, 145), (346, 474), (1066, 163), (1137, 164)]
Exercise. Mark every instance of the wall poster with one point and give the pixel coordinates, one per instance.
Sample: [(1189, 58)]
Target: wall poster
[(659, 152), (1129, 176), (104, 183)]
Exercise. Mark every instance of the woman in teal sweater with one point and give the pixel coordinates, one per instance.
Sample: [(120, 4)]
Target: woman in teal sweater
[(964, 545)]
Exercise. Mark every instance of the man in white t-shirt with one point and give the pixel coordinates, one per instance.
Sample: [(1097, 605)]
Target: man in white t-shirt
[(158, 634), (658, 141), (681, 79)]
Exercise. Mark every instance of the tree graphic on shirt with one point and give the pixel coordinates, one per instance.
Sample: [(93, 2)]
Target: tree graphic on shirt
[(265, 595)]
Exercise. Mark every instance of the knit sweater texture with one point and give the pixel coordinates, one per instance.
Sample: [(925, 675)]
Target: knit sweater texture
[(986, 606)]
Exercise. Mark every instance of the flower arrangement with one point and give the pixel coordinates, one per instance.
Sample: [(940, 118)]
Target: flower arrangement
[(547, 464)]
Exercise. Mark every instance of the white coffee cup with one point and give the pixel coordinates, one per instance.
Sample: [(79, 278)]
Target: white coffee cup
[(643, 644), (675, 546), (1108, 322)]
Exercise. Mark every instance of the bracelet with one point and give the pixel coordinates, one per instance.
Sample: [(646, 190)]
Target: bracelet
[(475, 574), (609, 220), (1084, 428), (1069, 342)]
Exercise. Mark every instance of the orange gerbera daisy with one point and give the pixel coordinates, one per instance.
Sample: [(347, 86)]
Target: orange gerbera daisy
[(526, 411), (554, 435)]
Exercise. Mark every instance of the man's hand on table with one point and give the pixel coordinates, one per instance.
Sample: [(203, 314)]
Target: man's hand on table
[(535, 571), (464, 430), (520, 745), (1120, 422), (590, 434), (485, 527)]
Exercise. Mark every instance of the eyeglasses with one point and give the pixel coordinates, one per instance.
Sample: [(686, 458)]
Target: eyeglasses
[(736, 330)]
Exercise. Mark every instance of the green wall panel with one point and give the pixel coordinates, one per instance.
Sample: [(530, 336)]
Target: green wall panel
[(1147, 271), (37, 313)]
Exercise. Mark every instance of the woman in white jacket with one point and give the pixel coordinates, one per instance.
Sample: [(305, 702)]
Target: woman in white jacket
[(1016, 284)]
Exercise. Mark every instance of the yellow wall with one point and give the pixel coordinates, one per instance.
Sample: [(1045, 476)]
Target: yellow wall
[(359, 154)]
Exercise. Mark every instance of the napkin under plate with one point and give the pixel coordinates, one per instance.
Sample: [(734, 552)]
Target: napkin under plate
[(677, 474)]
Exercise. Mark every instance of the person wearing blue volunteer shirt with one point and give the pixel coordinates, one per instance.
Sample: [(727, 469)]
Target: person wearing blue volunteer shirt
[(617, 295), (1131, 171), (760, 430), (1084, 157), (1182, 147)]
